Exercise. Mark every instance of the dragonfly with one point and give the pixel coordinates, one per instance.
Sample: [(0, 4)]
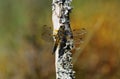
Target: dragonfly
[(78, 35)]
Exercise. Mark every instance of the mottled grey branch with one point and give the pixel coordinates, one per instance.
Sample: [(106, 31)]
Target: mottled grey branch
[(63, 38)]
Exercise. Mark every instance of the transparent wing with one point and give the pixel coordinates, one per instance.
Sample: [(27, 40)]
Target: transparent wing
[(79, 36), (46, 33)]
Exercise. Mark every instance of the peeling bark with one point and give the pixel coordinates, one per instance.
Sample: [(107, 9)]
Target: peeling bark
[(63, 38)]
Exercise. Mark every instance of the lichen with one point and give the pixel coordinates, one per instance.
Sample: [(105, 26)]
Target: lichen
[(63, 38)]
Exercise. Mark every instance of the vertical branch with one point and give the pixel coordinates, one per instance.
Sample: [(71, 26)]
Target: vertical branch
[(63, 38)]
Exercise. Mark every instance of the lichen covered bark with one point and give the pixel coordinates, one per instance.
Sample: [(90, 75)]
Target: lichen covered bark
[(63, 38)]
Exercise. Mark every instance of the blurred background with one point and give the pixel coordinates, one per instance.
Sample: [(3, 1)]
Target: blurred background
[(26, 39)]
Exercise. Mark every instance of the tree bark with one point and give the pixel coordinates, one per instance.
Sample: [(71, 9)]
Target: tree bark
[(63, 38)]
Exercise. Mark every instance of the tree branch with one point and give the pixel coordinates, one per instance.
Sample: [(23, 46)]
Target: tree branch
[(63, 38)]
